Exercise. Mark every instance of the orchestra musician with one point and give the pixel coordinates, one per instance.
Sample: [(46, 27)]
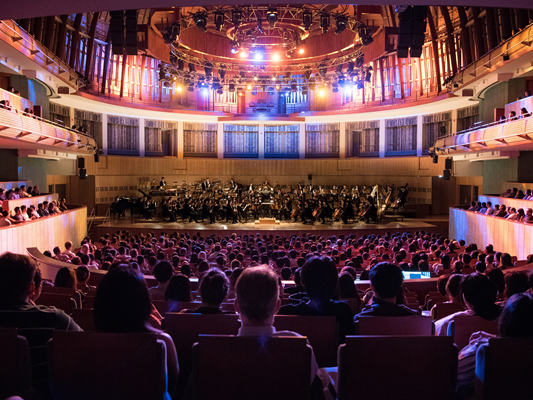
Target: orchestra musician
[(206, 185), (162, 183)]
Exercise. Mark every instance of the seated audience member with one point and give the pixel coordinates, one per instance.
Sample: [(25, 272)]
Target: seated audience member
[(298, 288), (18, 217), (490, 210), (17, 288), (178, 288), (515, 282), (347, 289), (479, 297), (68, 250), (513, 215), (473, 206), (2, 195), (506, 261), (516, 321), (386, 281), (483, 209), (66, 278), (63, 205), (512, 116), (122, 305), (163, 271), (320, 279), (14, 195), (453, 289), (213, 289), (529, 216), (32, 213), (520, 214), (23, 194), (58, 255), (502, 212), (257, 302), (5, 220), (82, 277), (42, 211), (35, 191), (524, 113), (520, 194)]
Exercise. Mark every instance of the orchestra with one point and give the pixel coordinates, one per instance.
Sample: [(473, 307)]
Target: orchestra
[(207, 202)]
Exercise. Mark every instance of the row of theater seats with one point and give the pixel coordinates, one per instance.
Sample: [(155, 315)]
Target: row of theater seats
[(88, 365)]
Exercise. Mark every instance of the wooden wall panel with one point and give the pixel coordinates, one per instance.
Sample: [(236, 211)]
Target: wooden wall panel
[(45, 233), (506, 236)]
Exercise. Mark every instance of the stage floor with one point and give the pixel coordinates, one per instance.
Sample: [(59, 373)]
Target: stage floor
[(431, 224)]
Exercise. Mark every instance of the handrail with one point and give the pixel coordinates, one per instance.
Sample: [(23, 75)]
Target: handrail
[(107, 216), (91, 220)]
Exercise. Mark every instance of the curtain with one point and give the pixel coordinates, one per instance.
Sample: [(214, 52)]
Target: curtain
[(401, 134), (199, 138), (93, 122), (282, 139), (241, 140), (322, 139), (123, 134), (59, 113)]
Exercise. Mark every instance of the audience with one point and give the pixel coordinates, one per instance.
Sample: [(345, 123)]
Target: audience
[(213, 289), (178, 289)]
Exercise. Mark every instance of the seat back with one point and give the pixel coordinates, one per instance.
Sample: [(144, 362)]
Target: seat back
[(164, 306), (462, 327), (15, 364), (84, 318), (322, 334), (409, 325), (397, 367), (503, 369), (89, 365), (61, 301), (254, 368), (442, 310)]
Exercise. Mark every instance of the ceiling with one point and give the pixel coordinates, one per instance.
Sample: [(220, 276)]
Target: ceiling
[(40, 8)]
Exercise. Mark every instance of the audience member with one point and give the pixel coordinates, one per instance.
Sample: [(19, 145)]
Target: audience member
[(178, 288), (213, 288), (163, 271)]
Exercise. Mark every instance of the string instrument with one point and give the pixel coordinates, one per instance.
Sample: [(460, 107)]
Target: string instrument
[(318, 211), (295, 211), (338, 212), (364, 209)]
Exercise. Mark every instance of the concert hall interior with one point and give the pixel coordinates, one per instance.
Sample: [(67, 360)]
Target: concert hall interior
[(201, 141)]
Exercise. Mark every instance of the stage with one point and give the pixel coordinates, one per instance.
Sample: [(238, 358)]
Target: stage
[(432, 224)]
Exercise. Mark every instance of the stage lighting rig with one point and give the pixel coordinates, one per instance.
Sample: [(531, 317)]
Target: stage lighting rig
[(324, 22), (366, 35), (307, 19), (272, 17), (181, 65), (234, 46), (200, 19), (192, 68), (219, 20), (236, 18), (323, 69), (341, 22), (208, 68), (173, 60), (222, 72), (260, 26), (359, 61)]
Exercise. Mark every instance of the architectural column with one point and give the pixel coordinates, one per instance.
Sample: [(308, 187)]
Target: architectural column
[(301, 141), (179, 143), (71, 116), (419, 135), (142, 149), (220, 140), (382, 141), (261, 142), (454, 122), (104, 133), (342, 141)]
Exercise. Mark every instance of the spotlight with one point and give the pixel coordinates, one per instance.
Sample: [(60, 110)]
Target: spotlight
[(179, 88), (277, 87), (323, 69), (506, 57), (181, 65), (338, 70), (220, 91), (366, 35), (307, 74), (191, 67), (359, 61), (294, 88), (324, 22), (368, 76), (360, 85), (191, 88), (260, 26), (236, 18), (242, 73), (222, 73), (219, 20), (173, 60), (162, 72), (350, 67), (259, 54), (208, 68), (271, 91), (248, 87), (200, 19), (288, 74), (176, 28), (243, 54), (341, 22), (231, 87), (321, 92), (272, 17), (335, 89), (234, 46), (307, 19), (275, 56), (254, 91)]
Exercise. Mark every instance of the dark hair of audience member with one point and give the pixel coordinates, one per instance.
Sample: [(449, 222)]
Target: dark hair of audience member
[(178, 289), (16, 275), (66, 278), (453, 288), (347, 289), (82, 273), (257, 293), (515, 282), (320, 279), (480, 293), (516, 320), (213, 287), (480, 267), (122, 302), (185, 269), (441, 283), (286, 273), (163, 271), (497, 276), (386, 279), (506, 261)]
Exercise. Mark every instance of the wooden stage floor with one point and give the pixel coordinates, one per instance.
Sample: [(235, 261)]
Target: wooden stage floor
[(438, 224)]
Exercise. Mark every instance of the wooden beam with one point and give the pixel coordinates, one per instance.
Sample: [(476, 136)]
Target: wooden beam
[(400, 73), (478, 33), (382, 79), (61, 37), (465, 36), (433, 32), (106, 63), (525, 136), (42, 138), (90, 45), (143, 62), (57, 142), (501, 141), (75, 43), (490, 20), (37, 28), (449, 37), (122, 78), (49, 32), (22, 134)]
